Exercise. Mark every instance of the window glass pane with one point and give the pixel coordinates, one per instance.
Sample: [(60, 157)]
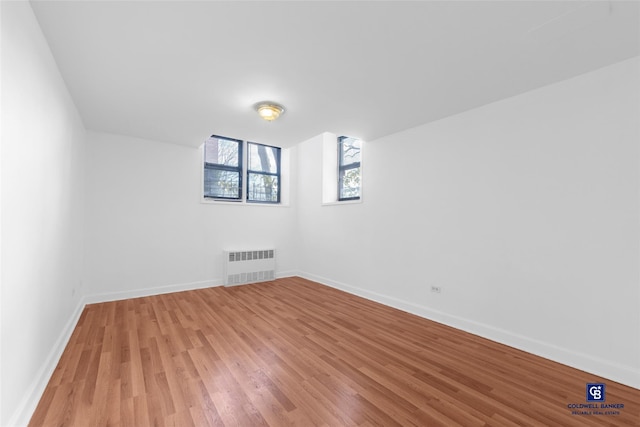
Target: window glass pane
[(263, 188), (263, 158), (349, 158), (224, 172), (350, 183), (350, 152), (221, 151), (221, 183)]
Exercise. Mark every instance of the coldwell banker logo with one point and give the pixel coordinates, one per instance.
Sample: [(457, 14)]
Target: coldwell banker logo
[(596, 396), (596, 392)]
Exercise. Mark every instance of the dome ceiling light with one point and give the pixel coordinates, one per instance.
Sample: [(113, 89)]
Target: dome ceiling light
[(269, 110)]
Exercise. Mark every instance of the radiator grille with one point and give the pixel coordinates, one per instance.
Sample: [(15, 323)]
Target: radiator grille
[(251, 255), (250, 266)]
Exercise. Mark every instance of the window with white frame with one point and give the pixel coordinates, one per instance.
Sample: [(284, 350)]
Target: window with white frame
[(227, 176)]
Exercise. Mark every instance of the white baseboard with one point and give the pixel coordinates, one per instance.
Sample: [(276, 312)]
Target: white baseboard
[(288, 273), (146, 292), (623, 374), (23, 413)]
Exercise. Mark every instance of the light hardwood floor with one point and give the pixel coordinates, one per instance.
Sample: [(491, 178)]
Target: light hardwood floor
[(293, 352)]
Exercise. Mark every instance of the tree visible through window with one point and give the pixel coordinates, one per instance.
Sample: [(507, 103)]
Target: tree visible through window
[(348, 168), (263, 173), (223, 168)]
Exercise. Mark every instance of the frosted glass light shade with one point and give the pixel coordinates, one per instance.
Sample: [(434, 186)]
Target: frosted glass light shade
[(269, 110)]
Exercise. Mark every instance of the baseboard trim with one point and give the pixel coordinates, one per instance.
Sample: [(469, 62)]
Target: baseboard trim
[(23, 413), (288, 273), (622, 374), (146, 292)]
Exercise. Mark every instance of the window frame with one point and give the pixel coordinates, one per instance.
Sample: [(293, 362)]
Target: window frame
[(284, 166), (220, 167), (277, 174), (342, 170)]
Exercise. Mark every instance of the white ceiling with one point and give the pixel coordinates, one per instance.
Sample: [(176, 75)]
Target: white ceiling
[(178, 71)]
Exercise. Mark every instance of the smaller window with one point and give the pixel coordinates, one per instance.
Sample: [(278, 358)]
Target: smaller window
[(263, 173), (348, 168), (223, 168)]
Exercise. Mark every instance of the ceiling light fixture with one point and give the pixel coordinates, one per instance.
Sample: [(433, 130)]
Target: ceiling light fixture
[(269, 110)]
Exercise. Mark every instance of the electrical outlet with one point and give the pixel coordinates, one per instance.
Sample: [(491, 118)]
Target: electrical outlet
[(436, 289)]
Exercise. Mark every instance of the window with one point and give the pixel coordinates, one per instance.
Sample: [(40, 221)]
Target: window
[(223, 168), (263, 173), (227, 176), (348, 168)]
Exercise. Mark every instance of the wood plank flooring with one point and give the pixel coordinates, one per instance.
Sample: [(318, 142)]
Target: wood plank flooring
[(293, 352)]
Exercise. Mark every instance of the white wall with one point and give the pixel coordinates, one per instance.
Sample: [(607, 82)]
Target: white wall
[(147, 230), (42, 213), (524, 211), (526, 216)]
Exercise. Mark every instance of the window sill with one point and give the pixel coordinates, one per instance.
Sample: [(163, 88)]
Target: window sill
[(241, 203), (344, 202)]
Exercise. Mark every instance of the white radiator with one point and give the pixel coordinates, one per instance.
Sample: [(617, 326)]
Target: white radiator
[(241, 267)]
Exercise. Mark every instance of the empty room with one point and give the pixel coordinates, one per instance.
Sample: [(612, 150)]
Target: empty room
[(320, 213)]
